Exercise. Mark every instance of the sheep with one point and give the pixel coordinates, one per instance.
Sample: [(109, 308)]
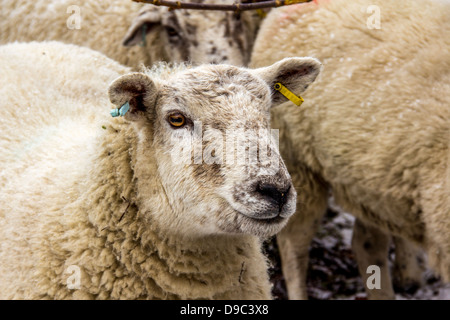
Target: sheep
[(197, 36), (374, 127), (96, 207), (172, 36)]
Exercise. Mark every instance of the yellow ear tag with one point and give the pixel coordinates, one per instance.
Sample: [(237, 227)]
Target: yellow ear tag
[(288, 94), (261, 13)]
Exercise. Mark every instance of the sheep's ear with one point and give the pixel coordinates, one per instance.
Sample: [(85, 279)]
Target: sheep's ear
[(138, 90), (148, 18), (295, 74)]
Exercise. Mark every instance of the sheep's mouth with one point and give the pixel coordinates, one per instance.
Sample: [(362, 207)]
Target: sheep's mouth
[(261, 227), (271, 221), (264, 220)]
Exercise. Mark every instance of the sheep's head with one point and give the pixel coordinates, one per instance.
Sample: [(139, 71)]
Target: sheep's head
[(208, 129), (195, 36)]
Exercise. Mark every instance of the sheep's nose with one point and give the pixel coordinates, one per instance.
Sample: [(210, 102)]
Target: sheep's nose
[(273, 193)]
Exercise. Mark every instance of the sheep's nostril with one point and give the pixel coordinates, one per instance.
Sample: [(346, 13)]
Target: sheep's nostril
[(273, 193)]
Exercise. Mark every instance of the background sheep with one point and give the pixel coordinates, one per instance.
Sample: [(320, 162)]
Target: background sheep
[(374, 128), (179, 35), (105, 196)]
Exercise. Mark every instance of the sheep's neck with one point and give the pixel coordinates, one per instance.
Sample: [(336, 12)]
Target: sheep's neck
[(162, 264)]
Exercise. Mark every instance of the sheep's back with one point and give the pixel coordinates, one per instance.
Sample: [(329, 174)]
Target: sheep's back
[(381, 92), (103, 24)]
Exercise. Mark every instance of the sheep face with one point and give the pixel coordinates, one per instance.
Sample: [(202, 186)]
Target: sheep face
[(209, 131), (195, 36)]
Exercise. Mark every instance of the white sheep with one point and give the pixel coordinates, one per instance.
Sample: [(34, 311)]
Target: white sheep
[(100, 207), (374, 128), (173, 36)]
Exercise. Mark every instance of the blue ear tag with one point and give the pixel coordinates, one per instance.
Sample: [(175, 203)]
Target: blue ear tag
[(121, 111)]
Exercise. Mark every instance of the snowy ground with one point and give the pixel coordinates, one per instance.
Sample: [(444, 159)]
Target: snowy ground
[(333, 274)]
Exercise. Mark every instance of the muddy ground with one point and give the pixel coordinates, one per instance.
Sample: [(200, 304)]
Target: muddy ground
[(333, 273)]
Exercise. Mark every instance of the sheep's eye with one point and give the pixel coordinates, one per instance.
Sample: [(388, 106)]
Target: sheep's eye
[(176, 120), (172, 32)]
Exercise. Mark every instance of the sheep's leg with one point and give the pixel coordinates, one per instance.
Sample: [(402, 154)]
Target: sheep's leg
[(295, 239), (409, 266), (435, 204), (293, 243), (371, 247)]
